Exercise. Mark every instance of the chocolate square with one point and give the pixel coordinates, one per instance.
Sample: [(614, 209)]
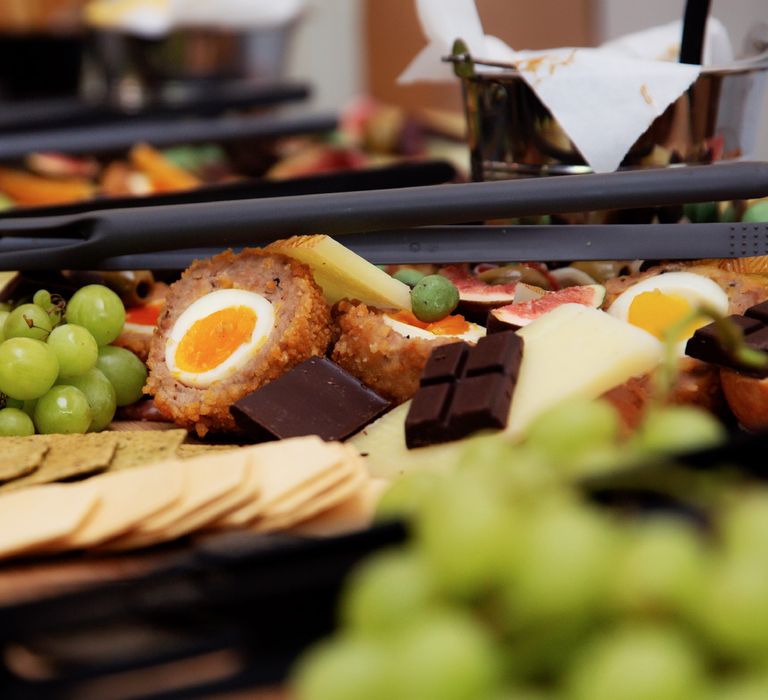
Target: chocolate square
[(464, 389), (316, 397)]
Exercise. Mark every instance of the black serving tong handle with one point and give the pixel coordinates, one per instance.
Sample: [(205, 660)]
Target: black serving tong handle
[(96, 236)]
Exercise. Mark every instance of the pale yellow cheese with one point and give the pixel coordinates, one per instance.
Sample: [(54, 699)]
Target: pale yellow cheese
[(344, 274), (575, 351)]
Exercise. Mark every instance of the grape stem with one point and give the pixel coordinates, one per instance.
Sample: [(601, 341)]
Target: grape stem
[(31, 324)]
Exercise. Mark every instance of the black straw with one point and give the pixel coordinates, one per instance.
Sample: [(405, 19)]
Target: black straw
[(694, 31)]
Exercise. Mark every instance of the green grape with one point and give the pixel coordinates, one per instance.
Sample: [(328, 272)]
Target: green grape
[(64, 409), (42, 298), (566, 554), (15, 422), (17, 325), (28, 368), (757, 212), (752, 686), (461, 529), (744, 526), (445, 655), (3, 317), (127, 373), (101, 397), (386, 592), (75, 348), (733, 610), (409, 276), (29, 407), (345, 669), (661, 568), (678, 429), (575, 428), (637, 662), (433, 298), (5, 306), (98, 309), (405, 496)]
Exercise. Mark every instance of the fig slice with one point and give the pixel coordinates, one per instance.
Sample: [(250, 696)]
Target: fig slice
[(514, 316), (477, 297)]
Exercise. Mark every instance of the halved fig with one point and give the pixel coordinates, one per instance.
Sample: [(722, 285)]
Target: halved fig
[(514, 316), (477, 297)]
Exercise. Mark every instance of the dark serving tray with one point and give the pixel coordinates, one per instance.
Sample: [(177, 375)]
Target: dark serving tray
[(61, 112), (256, 600), (410, 174)]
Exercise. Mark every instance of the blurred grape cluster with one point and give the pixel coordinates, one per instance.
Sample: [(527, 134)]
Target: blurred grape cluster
[(516, 585)]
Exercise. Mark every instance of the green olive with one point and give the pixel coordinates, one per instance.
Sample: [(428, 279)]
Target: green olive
[(757, 213), (409, 276), (433, 298)]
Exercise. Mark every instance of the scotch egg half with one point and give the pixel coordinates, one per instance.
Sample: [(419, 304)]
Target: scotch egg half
[(657, 304), (458, 328), (218, 334)]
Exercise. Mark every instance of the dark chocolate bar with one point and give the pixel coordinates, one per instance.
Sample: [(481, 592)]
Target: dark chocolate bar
[(464, 389), (705, 343), (316, 397)]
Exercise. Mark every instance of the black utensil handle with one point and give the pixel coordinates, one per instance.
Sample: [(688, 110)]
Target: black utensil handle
[(456, 244), (694, 31), (253, 222)]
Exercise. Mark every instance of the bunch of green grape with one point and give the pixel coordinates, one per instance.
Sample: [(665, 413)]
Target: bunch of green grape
[(58, 371), (513, 586)]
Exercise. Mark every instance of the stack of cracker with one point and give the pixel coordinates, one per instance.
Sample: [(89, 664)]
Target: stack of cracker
[(302, 484)]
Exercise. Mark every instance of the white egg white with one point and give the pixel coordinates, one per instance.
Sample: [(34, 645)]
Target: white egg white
[(472, 335), (696, 289), (205, 306)]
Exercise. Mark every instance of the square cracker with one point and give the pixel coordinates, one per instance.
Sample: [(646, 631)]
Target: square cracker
[(141, 447), (68, 456), (127, 498), (208, 479), (330, 497), (355, 513), (20, 457), (287, 467), (42, 516)]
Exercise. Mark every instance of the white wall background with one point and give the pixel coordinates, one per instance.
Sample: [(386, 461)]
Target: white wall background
[(617, 17), (326, 51)]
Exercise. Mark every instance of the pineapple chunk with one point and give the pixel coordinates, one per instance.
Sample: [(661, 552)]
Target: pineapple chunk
[(343, 274)]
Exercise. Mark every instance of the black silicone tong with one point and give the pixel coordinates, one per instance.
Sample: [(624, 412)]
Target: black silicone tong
[(88, 240)]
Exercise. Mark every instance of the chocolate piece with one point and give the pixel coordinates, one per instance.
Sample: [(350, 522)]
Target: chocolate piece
[(705, 343), (316, 397), (464, 389), (759, 311)]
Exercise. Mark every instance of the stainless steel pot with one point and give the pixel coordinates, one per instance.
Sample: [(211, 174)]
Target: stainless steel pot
[(512, 134)]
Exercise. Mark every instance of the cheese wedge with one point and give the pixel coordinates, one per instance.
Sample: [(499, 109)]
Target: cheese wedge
[(575, 351), (343, 274)]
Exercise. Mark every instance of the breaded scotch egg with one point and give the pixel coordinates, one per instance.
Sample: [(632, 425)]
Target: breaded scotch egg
[(230, 325), (387, 349)]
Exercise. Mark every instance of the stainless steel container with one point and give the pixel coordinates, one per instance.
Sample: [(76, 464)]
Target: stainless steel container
[(512, 134), (130, 69)]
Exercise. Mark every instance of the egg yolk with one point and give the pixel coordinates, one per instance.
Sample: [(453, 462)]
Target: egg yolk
[(450, 325), (211, 340), (656, 312)]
